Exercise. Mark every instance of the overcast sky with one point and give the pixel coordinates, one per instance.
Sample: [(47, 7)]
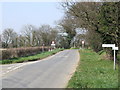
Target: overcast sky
[(17, 14)]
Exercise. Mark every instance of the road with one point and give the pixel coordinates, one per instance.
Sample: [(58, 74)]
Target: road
[(52, 72)]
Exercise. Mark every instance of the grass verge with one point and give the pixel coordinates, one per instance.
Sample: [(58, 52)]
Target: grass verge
[(30, 58), (93, 72), (119, 56)]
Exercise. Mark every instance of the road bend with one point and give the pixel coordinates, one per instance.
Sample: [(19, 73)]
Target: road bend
[(52, 72)]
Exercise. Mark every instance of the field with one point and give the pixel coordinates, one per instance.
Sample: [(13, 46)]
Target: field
[(94, 72)]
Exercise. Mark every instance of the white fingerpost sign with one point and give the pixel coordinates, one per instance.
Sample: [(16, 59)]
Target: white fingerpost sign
[(108, 45), (113, 48)]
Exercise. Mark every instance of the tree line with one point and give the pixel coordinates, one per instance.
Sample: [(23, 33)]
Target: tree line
[(32, 36), (100, 20), (94, 22)]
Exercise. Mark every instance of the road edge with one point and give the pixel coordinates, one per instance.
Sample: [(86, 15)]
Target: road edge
[(74, 68)]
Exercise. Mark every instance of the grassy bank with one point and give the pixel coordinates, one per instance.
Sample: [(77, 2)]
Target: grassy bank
[(93, 72), (30, 58)]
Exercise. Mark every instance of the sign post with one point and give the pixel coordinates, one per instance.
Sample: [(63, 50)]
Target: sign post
[(114, 60), (43, 48), (53, 44), (113, 48), (83, 43)]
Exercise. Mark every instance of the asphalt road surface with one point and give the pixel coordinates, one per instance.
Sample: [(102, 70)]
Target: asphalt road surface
[(52, 72)]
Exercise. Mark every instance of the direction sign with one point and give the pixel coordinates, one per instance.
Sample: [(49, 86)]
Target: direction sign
[(83, 42), (113, 48), (108, 45), (53, 42)]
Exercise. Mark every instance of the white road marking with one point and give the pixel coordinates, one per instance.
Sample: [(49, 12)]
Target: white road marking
[(12, 68)]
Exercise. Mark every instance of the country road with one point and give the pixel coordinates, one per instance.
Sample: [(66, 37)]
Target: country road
[(52, 72)]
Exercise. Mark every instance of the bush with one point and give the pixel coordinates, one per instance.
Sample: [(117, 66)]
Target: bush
[(21, 52)]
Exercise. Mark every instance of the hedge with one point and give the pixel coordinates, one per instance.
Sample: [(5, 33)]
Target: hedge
[(21, 52)]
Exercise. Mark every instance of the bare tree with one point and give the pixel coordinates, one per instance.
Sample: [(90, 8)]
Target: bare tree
[(44, 33), (29, 33), (9, 36)]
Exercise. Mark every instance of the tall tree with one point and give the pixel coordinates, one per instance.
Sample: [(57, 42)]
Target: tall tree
[(48, 34), (8, 37), (29, 34), (98, 17), (69, 26), (108, 24)]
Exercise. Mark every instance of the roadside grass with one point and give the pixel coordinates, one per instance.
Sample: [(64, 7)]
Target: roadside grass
[(93, 72), (30, 58)]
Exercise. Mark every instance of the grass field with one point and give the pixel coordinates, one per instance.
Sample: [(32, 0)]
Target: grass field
[(93, 72), (30, 58)]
